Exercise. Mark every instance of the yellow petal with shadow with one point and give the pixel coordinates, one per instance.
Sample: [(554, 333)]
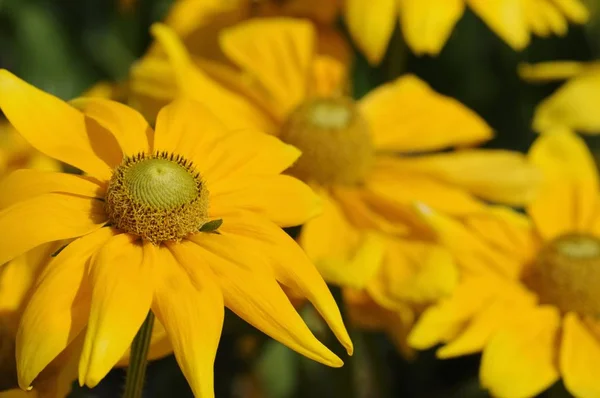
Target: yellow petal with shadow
[(520, 358), (277, 52), (127, 125), (122, 287), (579, 357), (27, 183), (427, 24), (57, 129), (260, 301), (247, 153), (371, 25), (494, 175), (572, 105), (282, 199), (190, 306), (395, 182), (510, 302), (475, 254), (47, 218), (567, 199), (260, 239), (445, 320), (232, 109), (506, 18), (409, 116), (59, 306), (413, 272)]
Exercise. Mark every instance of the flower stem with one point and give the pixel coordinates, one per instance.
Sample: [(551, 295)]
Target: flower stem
[(138, 360)]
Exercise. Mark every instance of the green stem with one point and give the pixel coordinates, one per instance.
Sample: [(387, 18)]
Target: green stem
[(138, 360)]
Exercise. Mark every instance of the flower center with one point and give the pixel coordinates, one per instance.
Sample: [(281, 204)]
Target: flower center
[(334, 139), (567, 274), (157, 197)]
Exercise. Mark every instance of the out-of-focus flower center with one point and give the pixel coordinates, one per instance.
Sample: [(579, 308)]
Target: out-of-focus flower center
[(157, 197), (567, 274), (334, 139)]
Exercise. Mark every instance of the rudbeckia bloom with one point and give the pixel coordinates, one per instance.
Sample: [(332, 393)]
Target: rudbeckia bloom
[(574, 104), (181, 222), (367, 236), (427, 25), (528, 297)]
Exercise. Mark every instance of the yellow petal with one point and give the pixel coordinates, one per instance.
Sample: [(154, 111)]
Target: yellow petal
[(128, 126), (122, 287), (443, 321), (186, 127), (246, 153), (413, 271), (475, 253), (282, 199), (572, 105), (511, 302), (495, 175), (579, 358), (520, 358), (371, 25), (542, 18), (575, 10), (393, 180), (567, 198), (56, 129), (276, 52), (27, 183), (47, 218), (192, 312), (550, 71), (407, 115), (259, 300), (329, 235), (232, 109), (356, 204), (506, 18), (329, 77), (427, 24), (286, 260), (59, 306)]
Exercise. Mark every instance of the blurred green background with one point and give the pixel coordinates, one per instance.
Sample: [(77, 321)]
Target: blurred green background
[(65, 46)]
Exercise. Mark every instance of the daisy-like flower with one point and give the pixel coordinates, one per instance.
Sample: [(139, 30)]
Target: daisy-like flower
[(367, 237), (427, 25), (528, 297), (183, 222), (574, 104)]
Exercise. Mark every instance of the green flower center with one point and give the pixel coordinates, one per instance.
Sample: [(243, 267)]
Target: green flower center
[(157, 197), (567, 274), (334, 139)]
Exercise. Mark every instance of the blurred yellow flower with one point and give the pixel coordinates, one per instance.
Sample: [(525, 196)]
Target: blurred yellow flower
[(575, 104), (367, 237), (193, 212), (528, 296), (427, 24)]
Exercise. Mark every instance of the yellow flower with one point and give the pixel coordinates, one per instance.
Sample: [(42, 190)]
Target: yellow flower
[(574, 105), (181, 221), (528, 297), (427, 24), (367, 237)]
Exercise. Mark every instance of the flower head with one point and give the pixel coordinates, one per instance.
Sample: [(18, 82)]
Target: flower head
[(528, 293), (368, 160), (427, 25), (181, 221)]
